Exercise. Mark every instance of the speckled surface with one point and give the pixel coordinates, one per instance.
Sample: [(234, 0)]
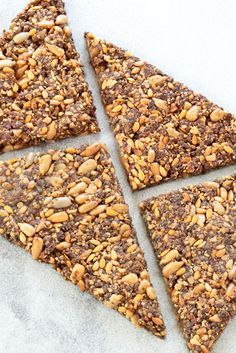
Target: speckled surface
[(194, 42)]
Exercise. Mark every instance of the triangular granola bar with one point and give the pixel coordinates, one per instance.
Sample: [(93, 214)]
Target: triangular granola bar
[(193, 232), (43, 94), (67, 209), (164, 129)]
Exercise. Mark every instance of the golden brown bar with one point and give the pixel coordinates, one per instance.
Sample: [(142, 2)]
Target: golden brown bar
[(164, 129), (193, 232), (66, 208), (43, 93)]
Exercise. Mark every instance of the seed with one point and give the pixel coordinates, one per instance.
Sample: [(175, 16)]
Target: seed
[(3, 213), (21, 37), (61, 20), (219, 208), (232, 273), (22, 238), (61, 202), (171, 268), (223, 193), (231, 291), (163, 172), (55, 50), (230, 195), (63, 245), (156, 80), (217, 115), (45, 24), (8, 209), (6, 63), (155, 168), (211, 157), (87, 206), (136, 126), (45, 163), (120, 208), (143, 285), (113, 255), (59, 217), (87, 167), (151, 155), (124, 228), (37, 248), (99, 209), (228, 149), (91, 150), (78, 272), (130, 279), (151, 293), (195, 341), (78, 188), (82, 198), (55, 181), (208, 287), (220, 253), (157, 321), (172, 132), (108, 267), (52, 131), (198, 288), (132, 248), (116, 109), (98, 248), (27, 229), (160, 103), (102, 263), (192, 113), (171, 255), (115, 298), (68, 101)]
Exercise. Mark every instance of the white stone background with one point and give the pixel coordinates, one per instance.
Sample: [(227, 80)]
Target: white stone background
[(194, 41)]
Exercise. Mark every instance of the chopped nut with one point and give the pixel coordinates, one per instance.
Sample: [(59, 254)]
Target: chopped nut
[(55, 50), (37, 248), (130, 279), (6, 63), (61, 202), (192, 113), (61, 20), (45, 163), (217, 115), (87, 167), (78, 188), (171, 268), (21, 37), (27, 229), (58, 217)]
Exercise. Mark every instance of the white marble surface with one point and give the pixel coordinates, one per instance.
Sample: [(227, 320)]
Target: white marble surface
[(195, 42)]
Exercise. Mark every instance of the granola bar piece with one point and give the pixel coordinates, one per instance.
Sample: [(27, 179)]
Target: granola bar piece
[(43, 94), (164, 129), (193, 232), (66, 208)]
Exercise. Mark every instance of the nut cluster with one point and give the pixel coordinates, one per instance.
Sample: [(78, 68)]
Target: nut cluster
[(164, 129), (43, 94), (66, 208), (194, 237)]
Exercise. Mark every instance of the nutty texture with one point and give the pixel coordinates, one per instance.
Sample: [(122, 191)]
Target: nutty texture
[(164, 129), (66, 208), (193, 232), (43, 94)]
